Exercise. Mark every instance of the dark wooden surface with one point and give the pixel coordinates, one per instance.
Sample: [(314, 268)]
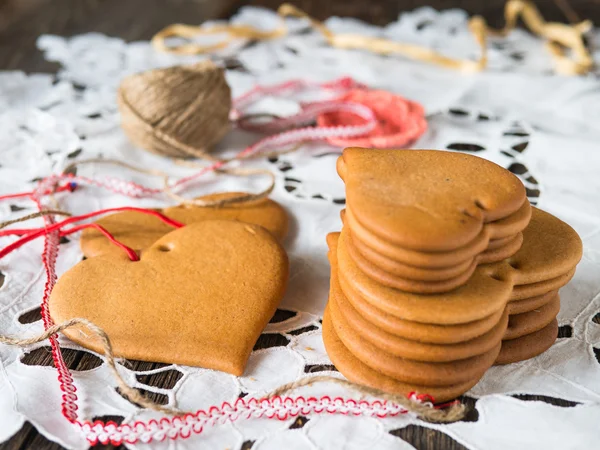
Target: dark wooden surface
[(22, 21)]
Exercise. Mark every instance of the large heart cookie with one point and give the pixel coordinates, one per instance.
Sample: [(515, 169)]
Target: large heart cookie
[(139, 231), (199, 296)]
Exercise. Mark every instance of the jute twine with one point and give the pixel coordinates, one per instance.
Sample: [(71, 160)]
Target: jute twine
[(179, 112), (564, 42), (426, 412), (46, 212)]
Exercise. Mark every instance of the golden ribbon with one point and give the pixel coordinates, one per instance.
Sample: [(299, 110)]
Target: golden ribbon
[(564, 42)]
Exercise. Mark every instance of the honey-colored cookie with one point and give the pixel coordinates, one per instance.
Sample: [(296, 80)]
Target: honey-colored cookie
[(551, 249), (482, 296), (427, 200), (364, 255), (481, 249), (408, 370), (524, 291), (409, 348), (357, 372), (529, 322), (180, 302), (416, 258), (501, 253), (405, 284), (528, 346), (531, 303), (497, 243), (139, 231)]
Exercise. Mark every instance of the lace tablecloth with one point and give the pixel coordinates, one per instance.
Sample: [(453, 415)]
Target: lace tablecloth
[(543, 127)]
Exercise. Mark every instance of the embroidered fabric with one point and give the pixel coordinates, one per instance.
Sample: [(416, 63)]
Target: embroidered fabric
[(542, 127)]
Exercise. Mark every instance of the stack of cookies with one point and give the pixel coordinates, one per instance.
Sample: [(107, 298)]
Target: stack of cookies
[(429, 236), (422, 275)]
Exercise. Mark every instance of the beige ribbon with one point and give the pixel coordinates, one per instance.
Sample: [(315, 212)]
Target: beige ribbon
[(560, 39)]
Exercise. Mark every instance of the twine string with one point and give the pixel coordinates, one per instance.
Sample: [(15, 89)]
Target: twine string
[(46, 212), (132, 394), (453, 413)]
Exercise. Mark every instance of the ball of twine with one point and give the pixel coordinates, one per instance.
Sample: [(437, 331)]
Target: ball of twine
[(179, 112)]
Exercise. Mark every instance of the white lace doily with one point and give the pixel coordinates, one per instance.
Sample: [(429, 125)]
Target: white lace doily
[(543, 127)]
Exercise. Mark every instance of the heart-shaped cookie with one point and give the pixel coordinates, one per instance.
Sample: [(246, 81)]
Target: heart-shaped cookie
[(528, 346), (199, 296), (428, 200), (358, 372), (139, 231), (418, 331), (482, 296)]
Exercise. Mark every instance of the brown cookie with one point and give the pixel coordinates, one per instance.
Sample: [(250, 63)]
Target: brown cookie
[(357, 372), (408, 370), (364, 255), (524, 291), (427, 200), (551, 249), (422, 332), (405, 284), (416, 258), (528, 346), (181, 301), (501, 253), (529, 322), (408, 348), (481, 297), (497, 243), (139, 231), (531, 303)]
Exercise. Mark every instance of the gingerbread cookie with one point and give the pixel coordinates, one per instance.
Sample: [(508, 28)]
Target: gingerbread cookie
[(180, 302), (551, 249), (524, 291), (421, 332), (531, 321), (415, 258), (481, 297), (408, 370), (406, 284), (531, 303), (139, 231), (528, 346), (397, 196), (408, 348), (357, 372)]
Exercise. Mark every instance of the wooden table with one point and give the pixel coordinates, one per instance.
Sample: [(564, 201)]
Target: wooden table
[(22, 21)]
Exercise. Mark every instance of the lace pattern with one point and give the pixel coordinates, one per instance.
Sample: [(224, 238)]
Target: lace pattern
[(542, 127)]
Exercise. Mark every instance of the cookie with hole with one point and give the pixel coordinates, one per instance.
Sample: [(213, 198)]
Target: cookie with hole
[(429, 200), (356, 371), (140, 231), (187, 292)]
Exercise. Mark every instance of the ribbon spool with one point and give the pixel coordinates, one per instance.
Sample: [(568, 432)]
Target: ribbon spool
[(179, 112)]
